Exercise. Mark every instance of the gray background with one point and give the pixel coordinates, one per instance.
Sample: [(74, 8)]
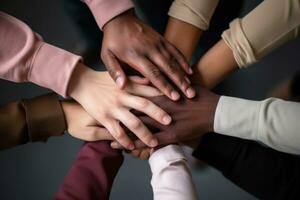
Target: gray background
[(34, 171)]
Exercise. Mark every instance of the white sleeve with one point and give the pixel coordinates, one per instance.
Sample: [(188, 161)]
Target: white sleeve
[(273, 122), (171, 176)]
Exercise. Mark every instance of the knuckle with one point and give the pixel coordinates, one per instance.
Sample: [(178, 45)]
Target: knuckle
[(142, 103), (136, 124), (154, 73), (131, 52), (119, 135), (172, 69)]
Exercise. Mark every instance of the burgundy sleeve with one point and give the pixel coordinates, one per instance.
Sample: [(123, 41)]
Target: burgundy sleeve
[(92, 175)]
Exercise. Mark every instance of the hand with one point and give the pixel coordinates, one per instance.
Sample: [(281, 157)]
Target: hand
[(99, 96), (190, 118), (81, 125), (128, 40)]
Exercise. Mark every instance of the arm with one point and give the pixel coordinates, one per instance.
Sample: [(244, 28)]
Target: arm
[(188, 18), (92, 175), (37, 119), (171, 176), (139, 47), (263, 172), (26, 57), (249, 39), (273, 122), (31, 120)]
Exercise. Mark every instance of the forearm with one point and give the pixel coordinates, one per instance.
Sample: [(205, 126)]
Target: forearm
[(31, 120), (214, 65), (171, 176), (93, 172), (184, 33), (263, 172), (105, 10), (26, 57), (249, 39), (183, 36), (273, 122), (257, 34)]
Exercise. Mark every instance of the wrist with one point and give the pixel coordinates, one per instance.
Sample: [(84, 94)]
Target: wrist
[(215, 65), (213, 103), (121, 19), (79, 79)]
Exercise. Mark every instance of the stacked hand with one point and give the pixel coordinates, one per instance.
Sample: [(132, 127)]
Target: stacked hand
[(191, 118), (128, 40), (110, 106)]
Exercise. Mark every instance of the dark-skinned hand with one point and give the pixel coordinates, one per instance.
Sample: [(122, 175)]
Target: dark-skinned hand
[(191, 118), (128, 40)]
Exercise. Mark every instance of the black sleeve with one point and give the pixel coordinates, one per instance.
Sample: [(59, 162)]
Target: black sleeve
[(261, 171)]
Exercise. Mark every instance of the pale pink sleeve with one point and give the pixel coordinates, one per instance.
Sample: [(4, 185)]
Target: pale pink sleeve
[(24, 56), (105, 10)]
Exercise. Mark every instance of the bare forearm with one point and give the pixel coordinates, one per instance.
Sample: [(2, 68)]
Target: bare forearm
[(183, 36), (215, 65)]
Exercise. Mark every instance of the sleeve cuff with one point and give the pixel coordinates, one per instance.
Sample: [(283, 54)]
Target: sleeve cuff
[(164, 156), (237, 117), (52, 68), (237, 41), (105, 10), (44, 117), (182, 12)]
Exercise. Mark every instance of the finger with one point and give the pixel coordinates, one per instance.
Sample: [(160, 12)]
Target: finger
[(136, 152), (142, 90), (147, 107), (145, 154), (179, 57), (114, 68), (168, 64), (117, 145), (119, 134), (139, 80), (137, 127), (150, 71), (164, 137)]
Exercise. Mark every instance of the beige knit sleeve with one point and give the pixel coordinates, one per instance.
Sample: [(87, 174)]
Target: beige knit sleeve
[(195, 12), (269, 25)]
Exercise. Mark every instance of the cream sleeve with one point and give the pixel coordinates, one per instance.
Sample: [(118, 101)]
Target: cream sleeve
[(171, 176), (273, 122), (269, 25), (195, 12)]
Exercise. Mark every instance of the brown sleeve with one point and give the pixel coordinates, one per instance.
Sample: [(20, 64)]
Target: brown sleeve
[(31, 120)]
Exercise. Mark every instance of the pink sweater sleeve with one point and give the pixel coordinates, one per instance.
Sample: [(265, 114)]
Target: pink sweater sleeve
[(24, 56), (105, 10)]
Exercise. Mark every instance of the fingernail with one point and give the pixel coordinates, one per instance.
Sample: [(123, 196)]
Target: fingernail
[(131, 146), (175, 95), (190, 92), (119, 81), (167, 119), (114, 145), (153, 143), (187, 80), (190, 71)]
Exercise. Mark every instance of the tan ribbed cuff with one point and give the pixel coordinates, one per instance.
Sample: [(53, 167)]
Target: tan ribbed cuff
[(237, 41)]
